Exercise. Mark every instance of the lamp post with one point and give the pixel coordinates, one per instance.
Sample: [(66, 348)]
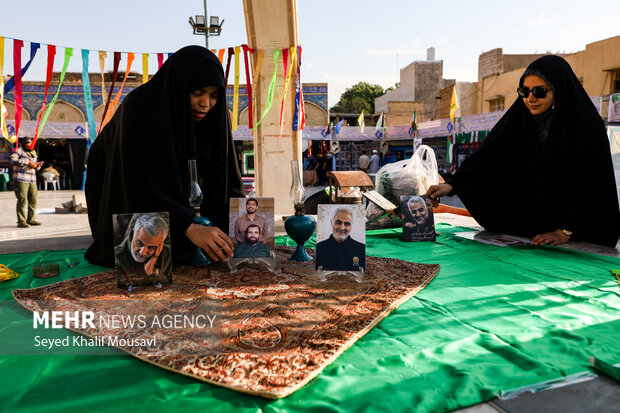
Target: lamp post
[(214, 27)]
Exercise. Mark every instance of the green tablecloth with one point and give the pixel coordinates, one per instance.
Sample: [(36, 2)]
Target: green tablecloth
[(493, 319)]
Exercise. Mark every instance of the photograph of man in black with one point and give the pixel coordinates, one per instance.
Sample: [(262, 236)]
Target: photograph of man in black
[(418, 220), (143, 257), (340, 252)]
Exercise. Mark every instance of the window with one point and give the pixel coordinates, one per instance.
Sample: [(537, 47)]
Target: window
[(496, 104), (615, 81)]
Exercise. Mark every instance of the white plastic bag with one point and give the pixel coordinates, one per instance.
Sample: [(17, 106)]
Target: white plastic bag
[(409, 177)]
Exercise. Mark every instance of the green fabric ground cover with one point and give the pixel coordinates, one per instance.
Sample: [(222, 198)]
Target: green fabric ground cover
[(493, 319)]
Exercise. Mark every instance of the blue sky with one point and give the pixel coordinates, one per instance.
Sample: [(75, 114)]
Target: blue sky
[(344, 41)]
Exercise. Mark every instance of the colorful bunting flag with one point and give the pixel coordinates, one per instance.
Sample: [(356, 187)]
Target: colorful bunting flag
[(3, 112), (272, 86), (220, 55), (299, 97), (17, 62), (68, 54), (90, 114), (102, 57), (51, 55), (117, 61), (248, 82), (34, 48), (235, 111), (231, 52), (160, 60), (130, 59), (145, 68), (293, 53)]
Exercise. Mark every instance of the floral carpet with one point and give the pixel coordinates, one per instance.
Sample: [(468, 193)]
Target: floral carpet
[(276, 330)]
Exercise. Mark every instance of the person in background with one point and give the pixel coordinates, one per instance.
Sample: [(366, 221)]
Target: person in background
[(374, 162), (25, 167), (545, 170), (50, 168), (364, 161)]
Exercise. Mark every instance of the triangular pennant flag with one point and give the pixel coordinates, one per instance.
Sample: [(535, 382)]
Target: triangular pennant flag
[(248, 83), (117, 61), (51, 55), (68, 54)]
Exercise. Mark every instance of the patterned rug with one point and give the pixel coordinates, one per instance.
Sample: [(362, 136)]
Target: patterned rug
[(278, 330)]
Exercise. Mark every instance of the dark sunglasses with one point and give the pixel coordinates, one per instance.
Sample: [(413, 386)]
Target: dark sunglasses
[(539, 92)]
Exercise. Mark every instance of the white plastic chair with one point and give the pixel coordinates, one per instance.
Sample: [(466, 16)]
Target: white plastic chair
[(50, 178)]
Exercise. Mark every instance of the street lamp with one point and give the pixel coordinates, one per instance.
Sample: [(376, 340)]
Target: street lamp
[(200, 27)]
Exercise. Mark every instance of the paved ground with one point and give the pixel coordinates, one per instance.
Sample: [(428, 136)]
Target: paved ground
[(71, 231)]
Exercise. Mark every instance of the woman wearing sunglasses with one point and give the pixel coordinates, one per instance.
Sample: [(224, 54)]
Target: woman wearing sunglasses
[(545, 169)]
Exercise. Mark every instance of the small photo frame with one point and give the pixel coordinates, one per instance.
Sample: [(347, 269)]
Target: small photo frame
[(142, 249), (251, 227), (417, 216), (341, 238)]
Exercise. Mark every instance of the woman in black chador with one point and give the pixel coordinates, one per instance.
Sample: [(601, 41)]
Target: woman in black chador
[(545, 170), (139, 161)]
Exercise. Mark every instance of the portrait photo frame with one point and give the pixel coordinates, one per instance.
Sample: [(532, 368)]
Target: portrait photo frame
[(417, 218), (142, 249), (251, 229), (341, 240)]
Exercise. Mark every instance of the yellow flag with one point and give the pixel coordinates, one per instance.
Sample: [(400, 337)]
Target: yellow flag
[(145, 68), (360, 122), (235, 111), (454, 104)]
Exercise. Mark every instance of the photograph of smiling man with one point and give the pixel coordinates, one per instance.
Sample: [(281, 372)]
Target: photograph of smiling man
[(417, 217), (142, 249), (341, 238), (252, 227)]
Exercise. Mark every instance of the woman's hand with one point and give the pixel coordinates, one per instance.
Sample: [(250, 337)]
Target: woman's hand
[(437, 191), (551, 238), (212, 240)]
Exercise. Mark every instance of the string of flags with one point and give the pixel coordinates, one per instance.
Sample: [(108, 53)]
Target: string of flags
[(291, 63)]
